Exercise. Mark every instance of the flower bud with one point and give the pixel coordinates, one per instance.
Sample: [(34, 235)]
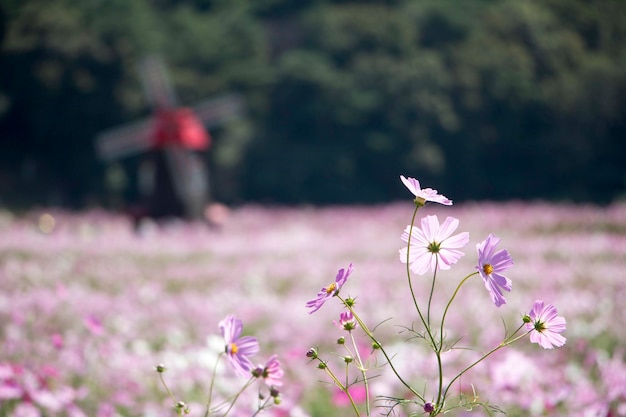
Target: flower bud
[(526, 319), (258, 371), (311, 353), (347, 359), (375, 345), (349, 326), (429, 407), (341, 340), (321, 365), (350, 302), (160, 368)]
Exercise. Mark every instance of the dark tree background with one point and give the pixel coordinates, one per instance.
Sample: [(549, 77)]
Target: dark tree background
[(485, 99)]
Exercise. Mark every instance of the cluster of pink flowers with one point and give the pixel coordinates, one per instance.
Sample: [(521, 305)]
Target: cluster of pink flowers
[(435, 248), (431, 248), (241, 348), (102, 304), (36, 393)]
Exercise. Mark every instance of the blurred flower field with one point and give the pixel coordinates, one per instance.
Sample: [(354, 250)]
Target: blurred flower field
[(89, 307)]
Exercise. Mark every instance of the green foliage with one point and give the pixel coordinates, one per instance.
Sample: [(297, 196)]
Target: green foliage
[(489, 99)]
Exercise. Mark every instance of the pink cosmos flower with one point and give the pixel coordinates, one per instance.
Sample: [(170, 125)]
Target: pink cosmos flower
[(238, 349), (271, 373), (427, 194), (26, 409), (490, 265), (93, 324), (330, 291), (346, 321), (544, 325), (433, 246), (57, 340)]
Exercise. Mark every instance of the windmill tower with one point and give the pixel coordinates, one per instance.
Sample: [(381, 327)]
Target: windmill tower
[(173, 176)]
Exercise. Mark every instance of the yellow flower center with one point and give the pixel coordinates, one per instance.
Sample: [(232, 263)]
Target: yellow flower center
[(487, 269), (234, 348), (332, 287)]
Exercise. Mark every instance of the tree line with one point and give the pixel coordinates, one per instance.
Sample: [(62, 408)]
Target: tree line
[(485, 99)]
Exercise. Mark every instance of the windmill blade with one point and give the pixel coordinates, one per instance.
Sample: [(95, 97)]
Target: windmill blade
[(156, 83), (125, 140), (215, 111)]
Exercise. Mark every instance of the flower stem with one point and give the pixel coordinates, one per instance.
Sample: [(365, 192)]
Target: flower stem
[(261, 407), (408, 269), (369, 333), (363, 373), (426, 323), (210, 395), (408, 274), (341, 386), (445, 312), (169, 392), (507, 341), (440, 397), (232, 400), (432, 290)]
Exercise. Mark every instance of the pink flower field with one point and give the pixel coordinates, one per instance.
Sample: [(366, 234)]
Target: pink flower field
[(89, 308)]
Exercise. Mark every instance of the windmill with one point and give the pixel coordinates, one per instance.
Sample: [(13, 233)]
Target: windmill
[(173, 178)]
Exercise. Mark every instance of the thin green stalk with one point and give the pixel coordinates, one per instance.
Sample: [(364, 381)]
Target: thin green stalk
[(440, 398), (408, 273), (232, 400), (210, 395), (261, 407), (426, 323), (343, 387), (509, 340), (369, 333), (432, 290), (445, 312), (363, 373), (440, 382), (167, 389)]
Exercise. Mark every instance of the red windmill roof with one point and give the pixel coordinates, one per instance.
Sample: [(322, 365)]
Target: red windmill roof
[(180, 126)]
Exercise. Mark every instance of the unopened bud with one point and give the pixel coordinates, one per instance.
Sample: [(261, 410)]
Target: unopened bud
[(311, 353), (258, 371), (347, 359), (526, 319), (160, 368), (375, 345), (341, 340), (321, 365)]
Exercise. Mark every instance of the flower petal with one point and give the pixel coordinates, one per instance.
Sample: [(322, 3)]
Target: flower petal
[(447, 228)]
